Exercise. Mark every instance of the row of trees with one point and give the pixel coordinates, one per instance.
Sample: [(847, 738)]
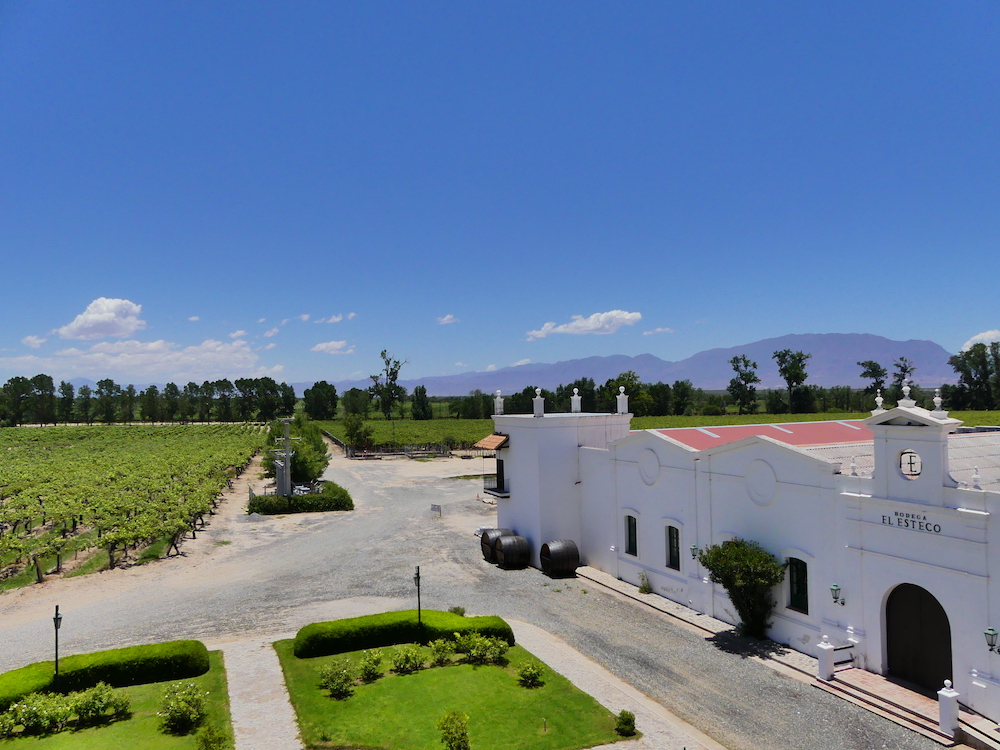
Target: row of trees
[(37, 400), (802, 399)]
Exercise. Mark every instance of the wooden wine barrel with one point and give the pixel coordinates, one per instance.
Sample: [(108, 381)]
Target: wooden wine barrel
[(489, 540), (559, 558), (513, 552)]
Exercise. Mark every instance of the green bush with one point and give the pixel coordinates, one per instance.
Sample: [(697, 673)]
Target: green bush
[(182, 708), (370, 666), (481, 649), (99, 703), (213, 738), (338, 678), (41, 713), (454, 727), (7, 725), (333, 497), (748, 572), (625, 723), (407, 659), (390, 629), (120, 667), (460, 611), (529, 674), (441, 651)]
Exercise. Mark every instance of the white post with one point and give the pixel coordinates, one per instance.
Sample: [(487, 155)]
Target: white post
[(538, 403), (948, 709), (824, 655), (576, 401), (622, 400), (498, 404)]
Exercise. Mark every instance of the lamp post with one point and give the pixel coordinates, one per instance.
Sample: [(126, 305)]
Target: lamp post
[(57, 621), (991, 639), (694, 551), (416, 581), (835, 593)]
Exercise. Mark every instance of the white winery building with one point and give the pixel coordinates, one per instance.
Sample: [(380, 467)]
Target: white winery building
[(892, 515)]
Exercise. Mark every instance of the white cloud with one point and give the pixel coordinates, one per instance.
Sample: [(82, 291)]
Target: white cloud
[(238, 334), (447, 319), (521, 362), (104, 317), (600, 323), (657, 330), (145, 361), (333, 347), (331, 319), (272, 332), (986, 337), (351, 316), (490, 368), (194, 318), (304, 318), (268, 347), (261, 320), (33, 342), (460, 364), (285, 321)]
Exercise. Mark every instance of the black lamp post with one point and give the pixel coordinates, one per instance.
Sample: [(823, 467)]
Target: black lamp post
[(835, 593), (416, 581), (694, 551), (991, 639), (57, 621)]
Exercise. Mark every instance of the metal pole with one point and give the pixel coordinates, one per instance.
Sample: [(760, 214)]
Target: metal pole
[(57, 621), (416, 579)]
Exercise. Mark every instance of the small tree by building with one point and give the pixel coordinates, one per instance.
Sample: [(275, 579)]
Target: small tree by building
[(743, 387), (748, 573), (454, 727), (792, 369)]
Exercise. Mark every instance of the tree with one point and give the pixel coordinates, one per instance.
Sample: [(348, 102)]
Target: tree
[(288, 399), (107, 399), (268, 399), (662, 399), (171, 401), (743, 387), (224, 400), (356, 432), (683, 396), (904, 369), (384, 387), (639, 400), (84, 404), (246, 400), (454, 727), (65, 401), (420, 407), (16, 393), (42, 400), (748, 573), (149, 404), (873, 371), (206, 399), (978, 369), (127, 399), (792, 369), (357, 401), (320, 401)]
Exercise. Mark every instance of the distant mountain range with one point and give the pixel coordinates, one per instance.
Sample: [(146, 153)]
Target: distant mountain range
[(833, 362)]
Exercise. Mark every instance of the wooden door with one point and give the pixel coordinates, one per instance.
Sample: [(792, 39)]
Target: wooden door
[(918, 637)]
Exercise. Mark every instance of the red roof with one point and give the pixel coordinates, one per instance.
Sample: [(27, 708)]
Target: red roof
[(792, 433)]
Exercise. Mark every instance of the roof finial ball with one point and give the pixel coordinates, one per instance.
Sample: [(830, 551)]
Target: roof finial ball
[(621, 389), (878, 402), (622, 400), (576, 401)]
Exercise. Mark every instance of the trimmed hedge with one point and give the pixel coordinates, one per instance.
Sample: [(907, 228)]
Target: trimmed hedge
[(391, 628), (119, 667), (333, 497)]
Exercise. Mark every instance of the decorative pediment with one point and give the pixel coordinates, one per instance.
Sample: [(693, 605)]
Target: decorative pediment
[(912, 416)]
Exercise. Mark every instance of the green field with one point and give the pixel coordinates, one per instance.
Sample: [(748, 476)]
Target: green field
[(141, 732), (401, 712)]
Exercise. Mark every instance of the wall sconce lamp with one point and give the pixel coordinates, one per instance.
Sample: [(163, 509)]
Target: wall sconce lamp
[(835, 593), (991, 639), (694, 551)]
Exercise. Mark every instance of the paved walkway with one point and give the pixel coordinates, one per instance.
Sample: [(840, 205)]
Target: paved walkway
[(263, 718)]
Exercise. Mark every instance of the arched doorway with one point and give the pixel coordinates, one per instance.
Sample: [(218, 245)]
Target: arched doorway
[(918, 637)]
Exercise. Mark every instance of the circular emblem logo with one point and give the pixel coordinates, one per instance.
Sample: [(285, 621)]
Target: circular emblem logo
[(649, 466), (760, 482)]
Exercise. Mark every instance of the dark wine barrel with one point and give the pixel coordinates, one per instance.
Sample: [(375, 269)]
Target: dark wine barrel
[(559, 558), (513, 552), (489, 540)]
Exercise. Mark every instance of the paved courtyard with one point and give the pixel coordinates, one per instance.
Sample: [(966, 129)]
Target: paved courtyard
[(250, 579)]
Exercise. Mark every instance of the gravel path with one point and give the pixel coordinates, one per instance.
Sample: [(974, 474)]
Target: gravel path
[(248, 578), (263, 719)]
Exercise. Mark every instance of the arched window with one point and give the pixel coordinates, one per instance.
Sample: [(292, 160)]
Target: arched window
[(798, 585), (631, 536), (673, 547)]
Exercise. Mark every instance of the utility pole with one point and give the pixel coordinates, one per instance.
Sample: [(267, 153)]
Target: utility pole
[(283, 463)]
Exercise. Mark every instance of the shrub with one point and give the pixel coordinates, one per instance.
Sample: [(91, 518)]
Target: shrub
[(370, 666), (94, 705), (529, 674), (333, 497), (41, 713), (644, 587), (6, 725), (182, 708), (748, 573), (407, 659), (460, 611), (454, 727), (441, 652), (480, 649), (338, 678), (212, 738), (625, 723), (390, 629)]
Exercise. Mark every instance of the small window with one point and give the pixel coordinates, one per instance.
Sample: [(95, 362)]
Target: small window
[(798, 585), (631, 536), (673, 548)]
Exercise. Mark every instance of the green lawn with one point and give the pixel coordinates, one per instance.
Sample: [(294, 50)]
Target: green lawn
[(141, 732), (401, 712)]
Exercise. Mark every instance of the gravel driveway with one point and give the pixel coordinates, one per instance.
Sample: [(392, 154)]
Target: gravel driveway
[(245, 578)]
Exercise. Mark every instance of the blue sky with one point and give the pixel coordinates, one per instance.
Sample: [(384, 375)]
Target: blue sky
[(193, 190)]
